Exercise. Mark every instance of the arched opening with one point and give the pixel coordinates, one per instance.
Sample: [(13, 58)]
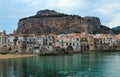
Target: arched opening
[(70, 49)]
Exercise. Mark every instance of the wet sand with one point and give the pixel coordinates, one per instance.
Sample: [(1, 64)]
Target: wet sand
[(7, 56)]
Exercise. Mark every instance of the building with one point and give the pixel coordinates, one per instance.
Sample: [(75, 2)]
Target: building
[(69, 42), (3, 41)]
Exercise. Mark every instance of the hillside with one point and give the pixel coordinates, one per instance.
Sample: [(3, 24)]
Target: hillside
[(116, 29), (50, 21)]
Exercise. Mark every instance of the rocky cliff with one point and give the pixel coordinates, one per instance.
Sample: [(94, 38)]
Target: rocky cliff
[(50, 21)]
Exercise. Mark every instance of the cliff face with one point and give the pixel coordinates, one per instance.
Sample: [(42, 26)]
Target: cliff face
[(49, 21)]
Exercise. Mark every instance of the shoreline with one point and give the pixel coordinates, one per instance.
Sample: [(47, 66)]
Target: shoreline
[(12, 56), (57, 54)]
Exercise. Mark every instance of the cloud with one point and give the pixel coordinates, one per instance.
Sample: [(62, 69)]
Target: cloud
[(1, 29), (34, 3), (65, 6), (110, 11), (13, 10), (61, 5), (115, 20)]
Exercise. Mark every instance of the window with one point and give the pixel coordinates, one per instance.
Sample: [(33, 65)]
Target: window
[(62, 44), (50, 39), (77, 44), (50, 43), (77, 39), (82, 39), (67, 44), (73, 44)]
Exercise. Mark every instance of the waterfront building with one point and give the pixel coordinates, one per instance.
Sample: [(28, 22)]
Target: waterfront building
[(61, 43), (29, 43), (45, 43), (91, 42), (117, 42), (84, 44), (3, 41), (3, 38), (68, 41), (105, 41)]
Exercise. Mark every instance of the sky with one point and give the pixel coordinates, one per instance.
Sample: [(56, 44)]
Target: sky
[(12, 10)]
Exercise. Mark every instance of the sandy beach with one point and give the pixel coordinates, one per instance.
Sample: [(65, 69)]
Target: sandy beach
[(7, 56)]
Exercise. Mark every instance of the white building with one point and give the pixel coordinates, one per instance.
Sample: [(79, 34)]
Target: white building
[(64, 41)]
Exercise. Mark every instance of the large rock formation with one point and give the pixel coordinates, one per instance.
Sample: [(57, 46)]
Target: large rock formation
[(49, 21)]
